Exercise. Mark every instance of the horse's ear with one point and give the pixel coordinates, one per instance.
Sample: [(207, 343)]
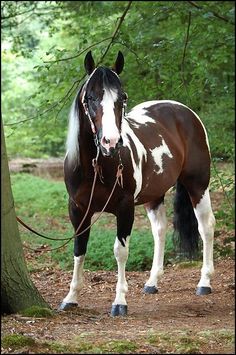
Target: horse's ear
[(89, 63), (119, 64)]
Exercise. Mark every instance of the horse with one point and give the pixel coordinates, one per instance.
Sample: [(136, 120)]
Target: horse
[(160, 145)]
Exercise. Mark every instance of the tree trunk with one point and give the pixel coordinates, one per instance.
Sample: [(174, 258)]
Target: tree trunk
[(17, 290)]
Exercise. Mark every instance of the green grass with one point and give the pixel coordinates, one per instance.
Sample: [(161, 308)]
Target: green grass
[(36, 311), (185, 342), (17, 340), (178, 342), (34, 195), (42, 204)]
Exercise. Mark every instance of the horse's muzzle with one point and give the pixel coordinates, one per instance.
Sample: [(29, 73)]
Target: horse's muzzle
[(108, 151)]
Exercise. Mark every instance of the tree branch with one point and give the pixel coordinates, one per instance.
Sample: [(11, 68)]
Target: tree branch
[(185, 49), (213, 13), (20, 13), (69, 93), (115, 31), (79, 54), (55, 104), (186, 42), (76, 83)]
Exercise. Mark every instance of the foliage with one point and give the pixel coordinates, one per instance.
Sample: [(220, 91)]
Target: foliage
[(176, 50)]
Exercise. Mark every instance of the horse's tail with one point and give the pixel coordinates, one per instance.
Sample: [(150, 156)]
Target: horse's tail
[(186, 233)]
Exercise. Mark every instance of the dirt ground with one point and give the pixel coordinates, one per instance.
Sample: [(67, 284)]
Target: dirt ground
[(173, 310), (175, 307)]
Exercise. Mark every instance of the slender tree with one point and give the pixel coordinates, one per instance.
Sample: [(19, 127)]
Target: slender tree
[(17, 290)]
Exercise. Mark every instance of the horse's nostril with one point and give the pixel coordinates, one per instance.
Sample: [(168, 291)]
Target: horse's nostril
[(107, 141)]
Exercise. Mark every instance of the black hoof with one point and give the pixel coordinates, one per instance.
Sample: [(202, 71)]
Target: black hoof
[(150, 289), (201, 291), (67, 306), (118, 310)]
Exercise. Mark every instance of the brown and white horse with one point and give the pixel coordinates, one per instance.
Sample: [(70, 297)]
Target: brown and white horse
[(160, 144)]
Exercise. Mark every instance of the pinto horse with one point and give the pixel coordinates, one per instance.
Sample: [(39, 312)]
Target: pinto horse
[(159, 144)]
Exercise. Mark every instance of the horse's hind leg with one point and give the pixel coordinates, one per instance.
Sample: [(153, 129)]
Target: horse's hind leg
[(157, 215), (206, 224), (200, 198)]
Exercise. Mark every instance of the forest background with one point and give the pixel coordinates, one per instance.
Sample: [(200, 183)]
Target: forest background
[(173, 50)]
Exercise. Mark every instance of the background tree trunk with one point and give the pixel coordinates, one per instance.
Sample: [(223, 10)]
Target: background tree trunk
[(17, 290)]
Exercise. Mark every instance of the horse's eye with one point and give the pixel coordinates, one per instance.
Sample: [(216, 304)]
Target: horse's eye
[(92, 98), (122, 97), (125, 96)]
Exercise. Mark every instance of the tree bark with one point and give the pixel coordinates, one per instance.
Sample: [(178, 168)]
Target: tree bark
[(17, 290)]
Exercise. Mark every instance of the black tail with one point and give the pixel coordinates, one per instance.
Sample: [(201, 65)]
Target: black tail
[(186, 233)]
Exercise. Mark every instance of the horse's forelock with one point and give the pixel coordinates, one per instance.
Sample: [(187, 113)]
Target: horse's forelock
[(106, 78)]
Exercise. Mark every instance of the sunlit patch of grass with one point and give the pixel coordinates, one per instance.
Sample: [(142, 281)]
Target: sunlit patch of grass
[(179, 343), (16, 341), (222, 335), (36, 311), (185, 342), (188, 264), (119, 347), (85, 346)]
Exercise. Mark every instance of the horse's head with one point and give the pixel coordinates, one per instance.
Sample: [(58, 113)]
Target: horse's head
[(104, 100)]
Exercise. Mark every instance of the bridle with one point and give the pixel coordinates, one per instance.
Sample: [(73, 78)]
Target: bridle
[(97, 172), (84, 102)]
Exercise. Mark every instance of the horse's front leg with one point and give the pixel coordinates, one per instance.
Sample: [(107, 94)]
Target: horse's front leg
[(80, 247), (125, 219)]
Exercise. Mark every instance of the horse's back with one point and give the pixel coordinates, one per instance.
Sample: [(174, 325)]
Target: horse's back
[(173, 120)]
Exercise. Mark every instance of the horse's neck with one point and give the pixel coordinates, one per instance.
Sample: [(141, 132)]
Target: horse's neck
[(87, 151)]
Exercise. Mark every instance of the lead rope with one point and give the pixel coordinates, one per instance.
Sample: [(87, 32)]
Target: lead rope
[(119, 180)]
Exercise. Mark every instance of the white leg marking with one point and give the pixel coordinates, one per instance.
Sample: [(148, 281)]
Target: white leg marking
[(159, 225), (77, 280), (206, 224), (121, 255)]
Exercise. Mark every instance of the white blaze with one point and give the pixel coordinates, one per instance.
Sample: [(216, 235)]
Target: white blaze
[(109, 128)]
